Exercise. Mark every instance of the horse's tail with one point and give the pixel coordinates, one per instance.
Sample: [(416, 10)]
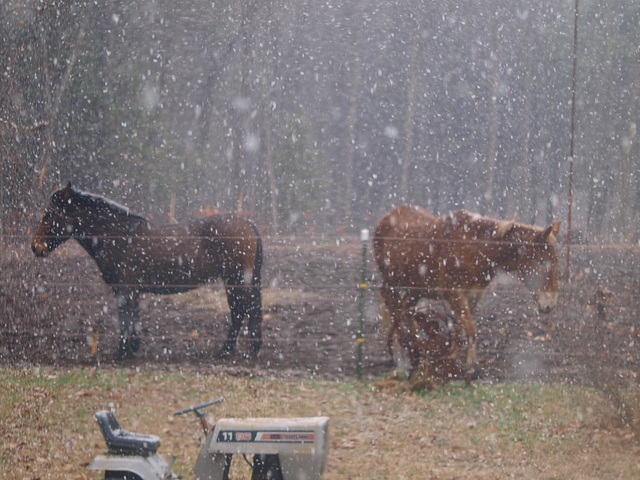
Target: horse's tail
[(255, 308), (380, 234), (257, 268)]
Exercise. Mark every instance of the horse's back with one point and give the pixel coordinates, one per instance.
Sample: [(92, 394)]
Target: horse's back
[(405, 220), (403, 243), (208, 247), (236, 243), (221, 226), (398, 226)]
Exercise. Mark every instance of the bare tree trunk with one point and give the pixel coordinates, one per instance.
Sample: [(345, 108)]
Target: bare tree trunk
[(353, 86), (407, 153), (492, 141), (273, 193), (352, 118), (635, 154), (528, 165), (242, 110), (601, 190), (280, 48), (629, 187), (54, 99)]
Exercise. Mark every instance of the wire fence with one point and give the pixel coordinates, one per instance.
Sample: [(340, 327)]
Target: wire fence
[(59, 309)]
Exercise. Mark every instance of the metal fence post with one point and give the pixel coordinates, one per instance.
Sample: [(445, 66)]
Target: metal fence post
[(364, 237)]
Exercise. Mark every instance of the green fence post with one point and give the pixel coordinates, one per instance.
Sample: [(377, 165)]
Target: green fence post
[(364, 237)]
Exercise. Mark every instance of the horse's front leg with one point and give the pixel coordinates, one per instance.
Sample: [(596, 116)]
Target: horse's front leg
[(422, 354), (389, 316), (394, 325), (129, 318), (234, 302), (464, 328)]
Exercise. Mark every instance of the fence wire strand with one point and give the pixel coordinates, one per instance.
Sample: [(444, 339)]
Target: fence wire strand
[(342, 291)]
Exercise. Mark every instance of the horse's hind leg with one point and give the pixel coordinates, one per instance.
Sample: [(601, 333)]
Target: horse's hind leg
[(129, 317), (254, 312), (244, 301), (464, 330), (237, 298)]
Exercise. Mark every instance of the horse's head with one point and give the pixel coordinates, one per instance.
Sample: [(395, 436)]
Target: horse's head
[(531, 255), (57, 224)]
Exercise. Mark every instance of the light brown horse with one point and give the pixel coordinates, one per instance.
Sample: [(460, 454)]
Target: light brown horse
[(135, 257), (455, 257)]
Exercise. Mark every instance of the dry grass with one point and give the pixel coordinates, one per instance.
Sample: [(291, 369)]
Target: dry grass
[(215, 298), (377, 430)]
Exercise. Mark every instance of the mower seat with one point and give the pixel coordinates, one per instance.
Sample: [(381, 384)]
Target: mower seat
[(122, 442)]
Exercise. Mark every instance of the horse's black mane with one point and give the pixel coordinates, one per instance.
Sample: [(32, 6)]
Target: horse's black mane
[(99, 202)]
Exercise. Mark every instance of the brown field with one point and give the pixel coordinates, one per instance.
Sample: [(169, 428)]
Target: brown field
[(457, 432), (532, 412)]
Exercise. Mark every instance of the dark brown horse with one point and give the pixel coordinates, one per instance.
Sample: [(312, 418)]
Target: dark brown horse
[(455, 257), (136, 257)]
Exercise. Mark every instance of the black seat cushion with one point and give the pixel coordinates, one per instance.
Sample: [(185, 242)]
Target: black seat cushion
[(122, 442)]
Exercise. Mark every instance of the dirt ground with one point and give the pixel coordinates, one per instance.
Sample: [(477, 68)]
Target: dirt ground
[(58, 311)]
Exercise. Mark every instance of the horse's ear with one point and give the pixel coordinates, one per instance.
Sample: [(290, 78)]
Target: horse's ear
[(506, 228), (554, 229), (66, 191)]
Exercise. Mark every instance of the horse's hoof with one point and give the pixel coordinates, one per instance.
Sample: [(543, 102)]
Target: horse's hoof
[(134, 344), (254, 350), (248, 357), (225, 352), (472, 356), (467, 379), (124, 354), (455, 352), (127, 348), (222, 354), (471, 373), (423, 383), (421, 379)]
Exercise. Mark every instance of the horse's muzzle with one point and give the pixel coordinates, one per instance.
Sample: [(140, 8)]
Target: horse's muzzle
[(547, 301), (39, 248)]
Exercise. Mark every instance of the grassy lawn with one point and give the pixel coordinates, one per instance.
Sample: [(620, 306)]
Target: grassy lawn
[(377, 431)]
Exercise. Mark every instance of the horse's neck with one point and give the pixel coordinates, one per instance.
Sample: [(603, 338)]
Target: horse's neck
[(488, 249), (506, 250), (98, 229)]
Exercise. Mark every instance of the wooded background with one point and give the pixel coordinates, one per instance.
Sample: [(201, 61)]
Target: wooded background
[(323, 114)]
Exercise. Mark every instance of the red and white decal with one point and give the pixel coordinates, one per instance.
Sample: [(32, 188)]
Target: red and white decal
[(286, 437)]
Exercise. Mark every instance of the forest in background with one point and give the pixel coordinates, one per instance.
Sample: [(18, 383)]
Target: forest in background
[(321, 115)]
